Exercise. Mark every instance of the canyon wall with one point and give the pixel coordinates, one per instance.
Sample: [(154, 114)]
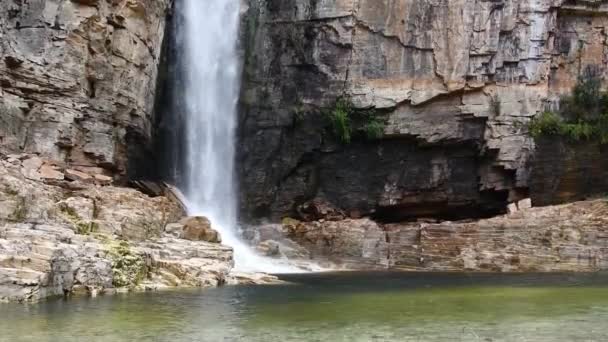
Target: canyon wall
[(78, 79), (454, 84)]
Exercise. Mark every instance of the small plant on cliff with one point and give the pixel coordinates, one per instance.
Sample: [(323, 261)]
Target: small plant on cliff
[(547, 123), (374, 130), (348, 123), (339, 118), (582, 115)]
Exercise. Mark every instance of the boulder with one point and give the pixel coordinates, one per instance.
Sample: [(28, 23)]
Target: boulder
[(198, 228), (31, 163)]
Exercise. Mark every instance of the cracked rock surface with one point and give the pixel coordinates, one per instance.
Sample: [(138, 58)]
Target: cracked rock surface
[(454, 82), (563, 238), (77, 79), (59, 237)]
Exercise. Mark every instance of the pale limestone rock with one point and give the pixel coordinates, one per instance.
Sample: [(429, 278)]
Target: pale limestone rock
[(50, 172), (178, 262), (512, 208), (75, 175), (252, 279), (103, 179), (32, 163), (524, 204), (269, 248), (198, 228), (361, 242), (57, 240), (76, 76)]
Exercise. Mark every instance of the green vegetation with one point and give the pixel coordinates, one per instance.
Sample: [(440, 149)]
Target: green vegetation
[(128, 268), (374, 130), (339, 118), (84, 228), (347, 122), (299, 112), (80, 226), (583, 116), (69, 211)]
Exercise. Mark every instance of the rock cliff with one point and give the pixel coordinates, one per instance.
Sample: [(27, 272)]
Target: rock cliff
[(453, 85), (78, 79), (564, 238)]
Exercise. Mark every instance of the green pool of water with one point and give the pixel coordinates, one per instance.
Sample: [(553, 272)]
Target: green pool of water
[(334, 307)]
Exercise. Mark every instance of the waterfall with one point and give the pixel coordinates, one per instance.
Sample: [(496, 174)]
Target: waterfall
[(211, 72)]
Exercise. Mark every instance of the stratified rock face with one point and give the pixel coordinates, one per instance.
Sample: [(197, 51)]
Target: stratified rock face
[(455, 82), (565, 238), (59, 236), (77, 78)]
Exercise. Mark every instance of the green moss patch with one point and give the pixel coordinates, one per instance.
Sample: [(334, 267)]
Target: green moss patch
[(81, 226), (128, 268)]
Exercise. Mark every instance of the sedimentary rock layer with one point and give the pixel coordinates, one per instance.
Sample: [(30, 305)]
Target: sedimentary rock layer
[(564, 238), (78, 78), (61, 234), (454, 82)]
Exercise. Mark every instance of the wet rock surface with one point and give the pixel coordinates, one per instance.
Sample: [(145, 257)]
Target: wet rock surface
[(454, 84)]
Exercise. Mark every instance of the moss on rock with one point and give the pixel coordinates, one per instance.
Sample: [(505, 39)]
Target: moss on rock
[(128, 268)]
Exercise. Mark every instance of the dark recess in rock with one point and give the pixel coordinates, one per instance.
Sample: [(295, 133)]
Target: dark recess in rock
[(160, 160)]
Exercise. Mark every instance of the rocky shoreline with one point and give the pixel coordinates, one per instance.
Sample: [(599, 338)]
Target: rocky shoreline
[(563, 238), (61, 235)]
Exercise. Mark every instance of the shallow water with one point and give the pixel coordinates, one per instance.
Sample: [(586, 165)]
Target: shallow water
[(334, 307)]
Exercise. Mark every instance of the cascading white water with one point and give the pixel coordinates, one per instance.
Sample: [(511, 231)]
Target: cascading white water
[(211, 78)]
